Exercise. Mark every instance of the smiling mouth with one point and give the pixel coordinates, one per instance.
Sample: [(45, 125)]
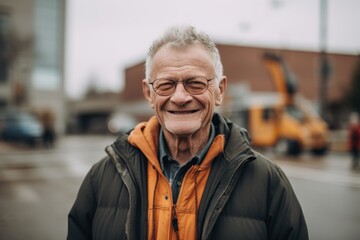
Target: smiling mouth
[(183, 112)]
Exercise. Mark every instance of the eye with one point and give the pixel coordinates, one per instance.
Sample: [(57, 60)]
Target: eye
[(196, 83), (164, 84)]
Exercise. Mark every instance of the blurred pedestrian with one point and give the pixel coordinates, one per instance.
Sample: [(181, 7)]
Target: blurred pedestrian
[(187, 173), (354, 139), (48, 121)]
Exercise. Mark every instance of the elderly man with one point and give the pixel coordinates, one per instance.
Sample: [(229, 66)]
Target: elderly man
[(187, 173)]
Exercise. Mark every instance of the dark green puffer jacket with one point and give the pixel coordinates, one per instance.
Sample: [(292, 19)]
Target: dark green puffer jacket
[(246, 197)]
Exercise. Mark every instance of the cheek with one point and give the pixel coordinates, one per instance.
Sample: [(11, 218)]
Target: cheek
[(212, 96), (209, 103), (158, 103)]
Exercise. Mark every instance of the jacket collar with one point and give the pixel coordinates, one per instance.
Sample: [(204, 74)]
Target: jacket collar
[(237, 139)]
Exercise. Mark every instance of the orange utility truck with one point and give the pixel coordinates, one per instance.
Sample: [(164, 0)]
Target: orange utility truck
[(282, 119)]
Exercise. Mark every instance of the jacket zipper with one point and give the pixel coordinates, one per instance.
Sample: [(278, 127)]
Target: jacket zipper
[(122, 167), (246, 160), (174, 221)]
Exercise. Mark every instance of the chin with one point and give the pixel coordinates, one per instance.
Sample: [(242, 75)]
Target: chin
[(182, 131), (182, 128)]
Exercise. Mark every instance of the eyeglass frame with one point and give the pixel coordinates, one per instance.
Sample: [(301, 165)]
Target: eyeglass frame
[(182, 81)]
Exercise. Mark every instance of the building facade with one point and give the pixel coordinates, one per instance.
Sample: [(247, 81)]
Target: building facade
[(245, 65), (32, 36)]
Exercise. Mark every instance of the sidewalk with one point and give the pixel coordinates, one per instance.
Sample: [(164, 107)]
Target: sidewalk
[(63, 143), (334, 167), (10, 147), (337, 143)]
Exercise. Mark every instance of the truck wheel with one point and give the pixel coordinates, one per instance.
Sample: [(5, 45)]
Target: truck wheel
[(319, 151), (294, 148), (287, 147)]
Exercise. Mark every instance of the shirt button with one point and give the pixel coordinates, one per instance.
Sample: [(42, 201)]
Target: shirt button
[(178, 183)]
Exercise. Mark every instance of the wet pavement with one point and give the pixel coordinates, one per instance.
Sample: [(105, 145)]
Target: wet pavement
[(38, 187)]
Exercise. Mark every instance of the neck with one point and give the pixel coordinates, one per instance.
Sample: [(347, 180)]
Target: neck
[(182, 148)]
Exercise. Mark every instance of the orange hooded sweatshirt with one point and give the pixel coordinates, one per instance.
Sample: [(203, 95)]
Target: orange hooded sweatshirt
[(165, 219)]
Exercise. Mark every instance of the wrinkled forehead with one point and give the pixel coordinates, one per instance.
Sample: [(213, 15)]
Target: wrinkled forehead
[(177, 56), (180, 63)]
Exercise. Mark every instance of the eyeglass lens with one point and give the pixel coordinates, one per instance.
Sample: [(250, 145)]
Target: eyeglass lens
[(195, 85)]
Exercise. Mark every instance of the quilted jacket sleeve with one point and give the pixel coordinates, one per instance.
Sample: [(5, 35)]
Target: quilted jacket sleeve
[(81, 215), (286, 219)]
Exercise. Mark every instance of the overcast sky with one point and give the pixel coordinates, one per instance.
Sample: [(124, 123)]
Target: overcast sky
[(103, 37)]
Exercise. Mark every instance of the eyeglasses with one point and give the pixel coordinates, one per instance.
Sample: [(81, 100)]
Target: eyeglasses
[(195, 85)]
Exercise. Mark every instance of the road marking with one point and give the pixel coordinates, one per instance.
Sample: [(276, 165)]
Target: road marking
[(76, 170), (25, 193), (77, 167), (321, 176)]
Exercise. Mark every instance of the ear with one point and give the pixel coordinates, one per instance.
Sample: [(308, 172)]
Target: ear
[(220, 92), (147, 92)]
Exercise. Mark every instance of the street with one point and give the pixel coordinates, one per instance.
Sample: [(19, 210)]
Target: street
[(38, 187)]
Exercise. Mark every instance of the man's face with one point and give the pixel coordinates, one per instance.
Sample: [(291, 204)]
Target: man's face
[(182, 113)]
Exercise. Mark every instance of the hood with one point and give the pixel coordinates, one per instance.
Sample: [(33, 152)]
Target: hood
[(145, 136)]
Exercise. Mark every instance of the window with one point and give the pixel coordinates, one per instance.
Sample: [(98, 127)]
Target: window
[(4, 22)]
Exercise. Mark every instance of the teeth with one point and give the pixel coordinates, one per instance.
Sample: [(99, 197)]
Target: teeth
[(182, 112)]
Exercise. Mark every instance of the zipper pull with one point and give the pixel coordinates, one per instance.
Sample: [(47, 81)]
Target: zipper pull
[(174, 219)]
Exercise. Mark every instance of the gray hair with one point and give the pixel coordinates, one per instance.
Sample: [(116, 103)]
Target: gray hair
[(185, 36)]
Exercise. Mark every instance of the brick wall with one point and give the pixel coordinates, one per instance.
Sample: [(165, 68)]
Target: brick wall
[(245, 64)]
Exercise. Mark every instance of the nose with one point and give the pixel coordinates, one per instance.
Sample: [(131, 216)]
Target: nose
[(180, 96)]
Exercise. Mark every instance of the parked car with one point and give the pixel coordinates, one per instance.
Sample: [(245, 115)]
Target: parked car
[(20, 126)]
